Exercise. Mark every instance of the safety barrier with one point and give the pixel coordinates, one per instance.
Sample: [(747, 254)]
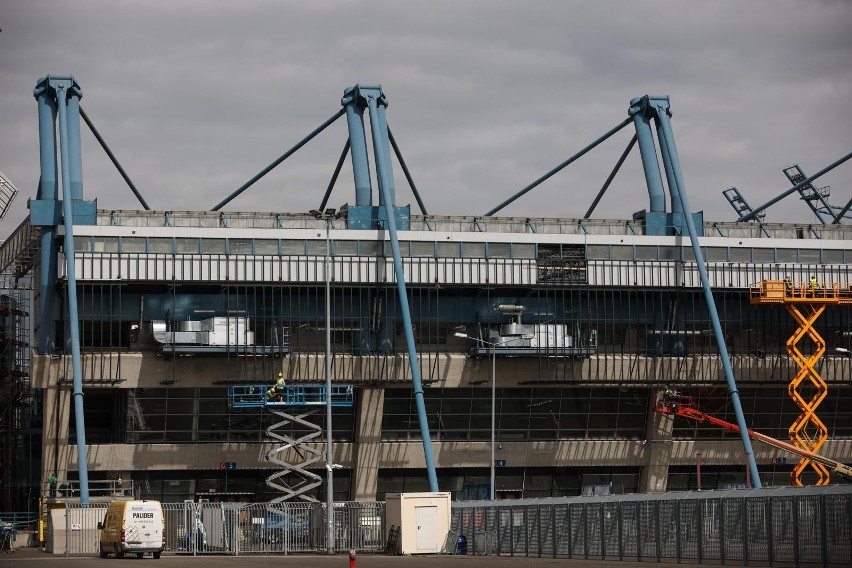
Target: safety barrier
[(788, 525), (762, 526)]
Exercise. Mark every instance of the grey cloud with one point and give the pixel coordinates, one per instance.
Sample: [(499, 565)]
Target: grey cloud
[(196, 97)]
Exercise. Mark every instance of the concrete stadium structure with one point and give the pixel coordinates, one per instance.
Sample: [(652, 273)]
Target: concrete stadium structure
[(586, 320)]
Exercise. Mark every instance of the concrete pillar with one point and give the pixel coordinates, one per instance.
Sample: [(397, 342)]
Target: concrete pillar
[(368, 443), (56, 427), (657, 452)]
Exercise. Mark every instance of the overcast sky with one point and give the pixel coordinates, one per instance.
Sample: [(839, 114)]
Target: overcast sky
[(196, 97)]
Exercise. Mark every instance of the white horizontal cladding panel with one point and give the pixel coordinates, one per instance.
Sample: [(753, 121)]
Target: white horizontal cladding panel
[(507, 271), (96, 267), (188, 267), (744, 274), (720, 274), (637, 273), (213, 268), (463, 271), (457, 271), (420, 270), (355, 269)]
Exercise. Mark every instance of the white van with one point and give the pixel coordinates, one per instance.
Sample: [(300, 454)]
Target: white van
[(133, 527)]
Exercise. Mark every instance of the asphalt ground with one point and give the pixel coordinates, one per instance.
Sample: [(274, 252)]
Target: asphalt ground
[(32, 557)]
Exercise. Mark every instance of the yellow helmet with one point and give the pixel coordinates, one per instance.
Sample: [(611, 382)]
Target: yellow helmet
[(280, 374)]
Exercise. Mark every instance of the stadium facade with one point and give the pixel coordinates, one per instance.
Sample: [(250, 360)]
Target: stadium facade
[(586, 320)]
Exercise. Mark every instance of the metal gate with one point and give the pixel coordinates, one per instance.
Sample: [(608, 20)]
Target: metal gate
[(236, 528)]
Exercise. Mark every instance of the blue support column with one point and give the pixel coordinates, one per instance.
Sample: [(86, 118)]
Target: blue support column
[(64, 88), (648, 152), (358, 141), (382, 123), (661, 106), (47, 194), (382, 172), (665, 129), (75, 155)]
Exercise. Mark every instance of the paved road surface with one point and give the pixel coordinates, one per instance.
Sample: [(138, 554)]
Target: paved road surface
[(32, 558)]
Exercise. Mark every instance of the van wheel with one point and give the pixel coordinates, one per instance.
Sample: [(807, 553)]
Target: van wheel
[(103, 553), (140, 554), (119, 553), (156, 555)]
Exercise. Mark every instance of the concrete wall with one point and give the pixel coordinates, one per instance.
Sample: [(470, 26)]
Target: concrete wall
[(368, 454)]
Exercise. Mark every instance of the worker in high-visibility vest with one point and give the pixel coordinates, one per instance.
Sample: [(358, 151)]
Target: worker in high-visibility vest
[(277, 390), (814, 284)]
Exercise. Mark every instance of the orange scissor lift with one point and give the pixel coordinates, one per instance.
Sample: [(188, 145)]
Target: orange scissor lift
[(805, 302)]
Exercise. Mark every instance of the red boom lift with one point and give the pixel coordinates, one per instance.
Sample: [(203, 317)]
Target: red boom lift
[(674, 403)]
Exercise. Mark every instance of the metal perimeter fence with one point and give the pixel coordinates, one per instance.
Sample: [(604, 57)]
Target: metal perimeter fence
[(759, 527), (773, 526), (240, 528)]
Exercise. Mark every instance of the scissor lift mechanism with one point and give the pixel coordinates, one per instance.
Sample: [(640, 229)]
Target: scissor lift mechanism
[(805, 302), (293, 405)]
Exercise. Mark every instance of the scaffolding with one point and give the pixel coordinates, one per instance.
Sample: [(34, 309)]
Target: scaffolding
[(16, 396)]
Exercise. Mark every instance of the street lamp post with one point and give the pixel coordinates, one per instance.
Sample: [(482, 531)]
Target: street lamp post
[(493, 349), (493, 420), (328, 216)]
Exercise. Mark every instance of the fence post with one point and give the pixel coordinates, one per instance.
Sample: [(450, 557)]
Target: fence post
[(539, 524), (796, 529), (570, 531), (657, 523), (722, 550), (678, 549), (512, 530), (770, 536), (848, 508), (471, 533), (602, 516), (745, 530), (823, 517), (67, 529), (586, 531), (497, 522), (699, 540), (553, 536), (639, 530), (619, 513)]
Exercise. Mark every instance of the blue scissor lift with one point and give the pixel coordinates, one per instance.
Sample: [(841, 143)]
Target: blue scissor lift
[(293, 405)]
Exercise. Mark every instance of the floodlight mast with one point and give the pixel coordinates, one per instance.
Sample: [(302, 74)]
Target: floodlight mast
[(8, 191)]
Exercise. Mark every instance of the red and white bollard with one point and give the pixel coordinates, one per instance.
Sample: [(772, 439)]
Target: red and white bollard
[(352, 562)]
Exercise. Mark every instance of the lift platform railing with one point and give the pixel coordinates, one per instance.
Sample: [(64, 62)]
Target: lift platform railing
[(257, 396)]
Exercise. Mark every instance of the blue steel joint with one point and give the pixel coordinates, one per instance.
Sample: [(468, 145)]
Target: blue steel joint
[(662, 112), (358, 143), (359, 97), (641, 113)]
